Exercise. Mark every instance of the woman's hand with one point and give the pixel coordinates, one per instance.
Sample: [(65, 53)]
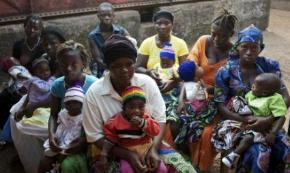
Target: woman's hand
[(261, 124), (102, 164), (76, 146), (29, 109), (136, 162), (168, 86), (152, 159), (210, 90), (155, 76), (270, 138), (19, 115), (180, 107), (53, 143)]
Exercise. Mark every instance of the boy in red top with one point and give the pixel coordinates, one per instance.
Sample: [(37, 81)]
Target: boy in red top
[(132, 129)]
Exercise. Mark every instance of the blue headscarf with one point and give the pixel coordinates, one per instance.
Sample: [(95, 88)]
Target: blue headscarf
[(187, 70), (251, 34)]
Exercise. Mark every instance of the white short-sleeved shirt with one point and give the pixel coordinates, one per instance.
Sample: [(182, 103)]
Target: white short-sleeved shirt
[(102, 102)]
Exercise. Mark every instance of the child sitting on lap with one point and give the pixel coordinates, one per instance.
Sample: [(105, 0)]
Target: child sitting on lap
[(69, 121), (263, 100), (38, 87), (132, 128), (68, 132), (194, 108)]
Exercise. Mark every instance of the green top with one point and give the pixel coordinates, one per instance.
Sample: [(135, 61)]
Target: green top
[(273, 105)]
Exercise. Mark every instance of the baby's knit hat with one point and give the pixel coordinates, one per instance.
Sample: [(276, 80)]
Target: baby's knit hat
[(74, 93), (133, 92)]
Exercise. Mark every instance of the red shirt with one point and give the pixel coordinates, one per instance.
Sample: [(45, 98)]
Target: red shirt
[(121, 131)]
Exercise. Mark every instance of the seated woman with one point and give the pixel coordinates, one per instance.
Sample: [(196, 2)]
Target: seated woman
[(52, 37), (72, 60), (236, 79), (25, 51), (210, 52), (103, 100), (149, 50)]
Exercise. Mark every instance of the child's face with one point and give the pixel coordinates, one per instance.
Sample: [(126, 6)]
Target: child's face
[(43, 71), (166, 62), (71, 64), (73, 107), (50, 43), (260, 90), (135, 107)]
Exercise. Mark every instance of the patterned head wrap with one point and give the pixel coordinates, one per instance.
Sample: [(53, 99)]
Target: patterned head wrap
[(251, 34)]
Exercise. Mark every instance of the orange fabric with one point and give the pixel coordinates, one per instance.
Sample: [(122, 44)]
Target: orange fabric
[(202, 152), (198, 55)]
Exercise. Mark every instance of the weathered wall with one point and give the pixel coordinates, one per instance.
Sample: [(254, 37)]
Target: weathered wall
[(191, 21), (280, 4)]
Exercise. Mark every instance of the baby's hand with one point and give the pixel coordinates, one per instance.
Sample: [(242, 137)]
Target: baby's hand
[(136, 120)]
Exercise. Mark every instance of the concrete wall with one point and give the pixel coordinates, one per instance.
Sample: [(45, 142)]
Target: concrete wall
[(191, 21), (281, 4)]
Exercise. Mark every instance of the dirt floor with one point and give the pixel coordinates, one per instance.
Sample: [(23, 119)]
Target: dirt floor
[(277, 40)]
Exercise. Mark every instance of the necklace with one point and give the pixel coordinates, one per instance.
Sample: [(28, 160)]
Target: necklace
[(35, 45)]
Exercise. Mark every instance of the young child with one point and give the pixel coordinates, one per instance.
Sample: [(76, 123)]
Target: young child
[(195, 109), (72, 58), (132, 128), (166, 69), (69, 121), (38, 87), (68, 131), (263, 100)]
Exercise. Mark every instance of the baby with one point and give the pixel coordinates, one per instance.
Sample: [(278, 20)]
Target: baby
[(69, 121), (167, 68), (194, 108), (132, 129), (38, 86), (263, 101)]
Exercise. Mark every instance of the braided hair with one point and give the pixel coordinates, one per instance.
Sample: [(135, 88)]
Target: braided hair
[(225, 20), (71, 45), (32, 17)]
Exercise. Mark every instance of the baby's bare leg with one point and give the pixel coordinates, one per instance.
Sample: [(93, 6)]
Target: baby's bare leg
[(245, 142)]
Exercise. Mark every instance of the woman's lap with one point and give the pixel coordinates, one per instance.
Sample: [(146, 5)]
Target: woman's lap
[(76, 163), (261, 158), (202, 151), (26, 147)]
